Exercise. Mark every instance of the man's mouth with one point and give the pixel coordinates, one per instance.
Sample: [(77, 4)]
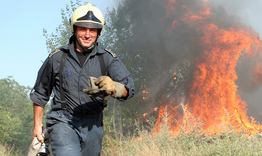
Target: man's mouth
[(86, 41)]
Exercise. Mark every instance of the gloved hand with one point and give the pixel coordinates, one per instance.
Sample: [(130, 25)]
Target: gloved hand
[(104, 85), (36, 144), (94, 91), (34, 147), (107, 83)]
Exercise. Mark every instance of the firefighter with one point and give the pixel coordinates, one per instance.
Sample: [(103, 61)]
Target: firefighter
[(81, 76)]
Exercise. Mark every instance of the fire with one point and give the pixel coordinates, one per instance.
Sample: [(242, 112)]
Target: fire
[(174, 75), (145, 92), (213, 103)]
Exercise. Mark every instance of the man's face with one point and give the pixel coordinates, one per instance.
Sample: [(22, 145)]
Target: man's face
[(85, 36)]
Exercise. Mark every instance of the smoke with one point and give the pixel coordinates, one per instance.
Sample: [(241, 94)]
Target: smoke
[(152, 25), (170, 49), (170, 42)]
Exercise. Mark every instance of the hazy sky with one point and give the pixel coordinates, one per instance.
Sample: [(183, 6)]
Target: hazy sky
[(23, 45), (248, 11)]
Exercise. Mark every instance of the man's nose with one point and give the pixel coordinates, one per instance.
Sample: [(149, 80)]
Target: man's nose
[(87, 33)]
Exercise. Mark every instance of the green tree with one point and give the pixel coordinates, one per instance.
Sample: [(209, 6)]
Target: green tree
[(16, 114), (63, 31)]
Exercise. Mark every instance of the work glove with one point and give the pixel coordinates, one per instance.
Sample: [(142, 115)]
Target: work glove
[(104, 85), (36, 145)]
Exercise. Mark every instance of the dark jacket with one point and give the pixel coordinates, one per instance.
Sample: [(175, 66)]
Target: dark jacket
[(75, 79)]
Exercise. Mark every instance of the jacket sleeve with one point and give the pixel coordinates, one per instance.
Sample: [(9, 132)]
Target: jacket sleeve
[(118, 72), (42, 90)]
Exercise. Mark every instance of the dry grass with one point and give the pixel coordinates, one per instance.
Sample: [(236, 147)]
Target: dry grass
[(163, 143), (6, 150)]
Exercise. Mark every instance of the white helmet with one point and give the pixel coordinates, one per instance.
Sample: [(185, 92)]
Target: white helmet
[(88, 16)]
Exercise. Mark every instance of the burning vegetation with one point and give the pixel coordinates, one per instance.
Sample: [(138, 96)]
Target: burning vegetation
[(202, 50)]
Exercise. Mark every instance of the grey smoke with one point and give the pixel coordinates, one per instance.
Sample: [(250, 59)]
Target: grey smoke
[(177, 50)]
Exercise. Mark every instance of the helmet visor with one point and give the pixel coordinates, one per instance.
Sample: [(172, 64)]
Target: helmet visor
[(88, 25)]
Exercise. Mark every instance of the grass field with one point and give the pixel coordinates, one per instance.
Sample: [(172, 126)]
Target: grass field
[(185, 145), (146, 142)]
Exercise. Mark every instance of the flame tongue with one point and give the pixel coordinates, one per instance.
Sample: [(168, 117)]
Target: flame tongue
[(213, 97), (214, 92)]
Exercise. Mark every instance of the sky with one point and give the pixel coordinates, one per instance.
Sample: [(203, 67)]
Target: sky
[(23, 46)]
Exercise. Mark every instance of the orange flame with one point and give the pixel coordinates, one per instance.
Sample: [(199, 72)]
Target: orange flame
[(145, 92), (213, 97)]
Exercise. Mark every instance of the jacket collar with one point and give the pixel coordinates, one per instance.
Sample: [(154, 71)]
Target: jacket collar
[(71, 49)]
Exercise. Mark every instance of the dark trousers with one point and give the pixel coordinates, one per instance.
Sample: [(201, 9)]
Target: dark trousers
[(75, 135)]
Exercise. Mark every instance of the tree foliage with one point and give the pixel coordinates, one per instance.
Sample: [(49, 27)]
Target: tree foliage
[(63, 32), (16, 114)]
